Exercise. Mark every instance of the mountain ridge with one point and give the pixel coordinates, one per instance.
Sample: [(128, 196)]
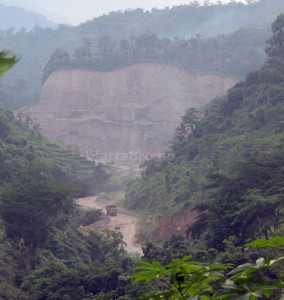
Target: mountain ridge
[(19, 18)]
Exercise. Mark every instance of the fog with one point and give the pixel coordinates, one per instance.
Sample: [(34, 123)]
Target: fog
[(78, 11)]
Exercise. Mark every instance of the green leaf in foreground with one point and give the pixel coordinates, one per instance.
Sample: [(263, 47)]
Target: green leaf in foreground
[(7, 60), (274, 242)]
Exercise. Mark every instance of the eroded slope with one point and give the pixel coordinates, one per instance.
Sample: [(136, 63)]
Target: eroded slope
[(121, 115)]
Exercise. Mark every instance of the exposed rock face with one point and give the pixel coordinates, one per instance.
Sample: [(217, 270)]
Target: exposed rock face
[(136, 108), (165, 228)]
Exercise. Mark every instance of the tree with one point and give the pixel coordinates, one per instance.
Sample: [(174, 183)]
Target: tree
[(276, 42), (188, 124), (84, 54), (246, 204), (58, 60), (54, 281), (30, 207), (259, 214)]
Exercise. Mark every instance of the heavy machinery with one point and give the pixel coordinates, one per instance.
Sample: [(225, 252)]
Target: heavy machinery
[(111, 210)]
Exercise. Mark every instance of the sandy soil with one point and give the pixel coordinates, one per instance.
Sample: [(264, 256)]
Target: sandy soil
[(125, 221)]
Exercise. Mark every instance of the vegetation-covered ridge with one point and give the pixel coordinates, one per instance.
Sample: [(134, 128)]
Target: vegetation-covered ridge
[(22, 145), (234, 54), (36, 46), (42, 255), (229, 163)]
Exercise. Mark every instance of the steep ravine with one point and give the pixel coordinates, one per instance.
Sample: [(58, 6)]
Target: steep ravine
[(123, 115)]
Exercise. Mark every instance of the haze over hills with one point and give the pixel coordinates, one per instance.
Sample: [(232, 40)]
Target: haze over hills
[(36, 8), (185, 22), (17, 18), (76, 12), (124, 81)]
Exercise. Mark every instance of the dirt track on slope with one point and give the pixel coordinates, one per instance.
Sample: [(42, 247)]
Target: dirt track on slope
[(125, 221)]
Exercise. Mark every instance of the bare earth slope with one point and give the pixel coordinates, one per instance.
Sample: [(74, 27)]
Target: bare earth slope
[(118, 113)]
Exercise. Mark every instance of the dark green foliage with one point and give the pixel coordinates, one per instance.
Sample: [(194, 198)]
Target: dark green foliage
[(30, 207), (234, 101), (41, 255), (58, 60), (187, 279), (8, 269), (188, 125), (54, 281), (274, 242), (276, 43), (38, 181), (195, 54), (74, 266), (176, 247), (7, 60), (246, 205), (229, 164), (21, 145), (91, 216)]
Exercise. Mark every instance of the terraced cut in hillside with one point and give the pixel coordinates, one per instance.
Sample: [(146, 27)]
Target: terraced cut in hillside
[(123, 115)]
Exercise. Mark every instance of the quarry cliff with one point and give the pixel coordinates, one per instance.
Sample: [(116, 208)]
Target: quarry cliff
[(124, 115)]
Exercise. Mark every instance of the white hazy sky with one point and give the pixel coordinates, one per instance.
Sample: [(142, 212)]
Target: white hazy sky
[(77, 11)]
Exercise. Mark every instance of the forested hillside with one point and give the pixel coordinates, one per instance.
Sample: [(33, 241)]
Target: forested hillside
[(228, 164), (192, 24), (42, 254), (38, 185), (22, 146), (186, 21), (233, 55)]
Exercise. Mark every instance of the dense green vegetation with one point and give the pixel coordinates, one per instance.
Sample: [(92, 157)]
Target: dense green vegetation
[(229, 164), (22, 145), (188, 279), (39, 181), (186, 21), (117, 29), (222, 55)]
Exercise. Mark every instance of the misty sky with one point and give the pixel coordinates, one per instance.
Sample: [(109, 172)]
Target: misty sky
[(77, 11)]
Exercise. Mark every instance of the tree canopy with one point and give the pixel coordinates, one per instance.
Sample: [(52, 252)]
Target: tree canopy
[(276, 42)]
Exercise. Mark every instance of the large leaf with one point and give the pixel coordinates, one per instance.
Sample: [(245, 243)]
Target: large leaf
[(7, 60), (274, 242)]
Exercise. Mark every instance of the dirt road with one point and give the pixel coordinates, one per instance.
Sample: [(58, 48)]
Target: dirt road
[(125, 221)]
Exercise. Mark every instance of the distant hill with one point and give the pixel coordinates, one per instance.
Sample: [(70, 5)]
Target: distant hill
[(18, 17), (185, 22)]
